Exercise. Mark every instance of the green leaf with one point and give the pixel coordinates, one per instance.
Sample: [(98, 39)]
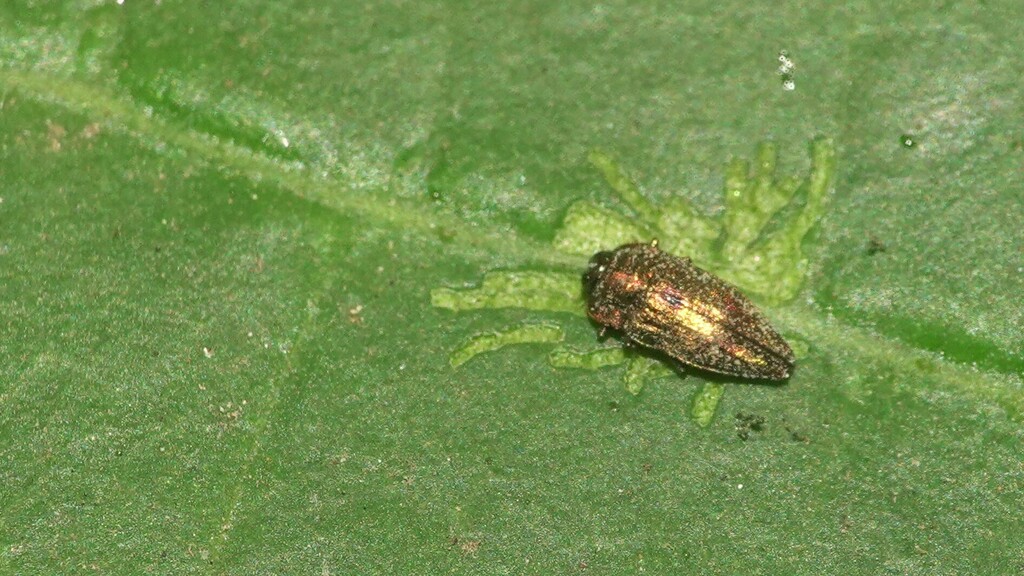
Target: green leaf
[(241, 244)]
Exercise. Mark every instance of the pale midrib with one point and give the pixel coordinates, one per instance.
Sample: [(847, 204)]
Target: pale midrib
[(1006, 390), (119, 114), (469, 240)]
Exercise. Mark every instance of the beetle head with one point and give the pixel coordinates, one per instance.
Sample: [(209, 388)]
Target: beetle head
[(595, 271)]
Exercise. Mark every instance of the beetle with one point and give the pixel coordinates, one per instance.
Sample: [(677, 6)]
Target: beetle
[(664, 302)]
